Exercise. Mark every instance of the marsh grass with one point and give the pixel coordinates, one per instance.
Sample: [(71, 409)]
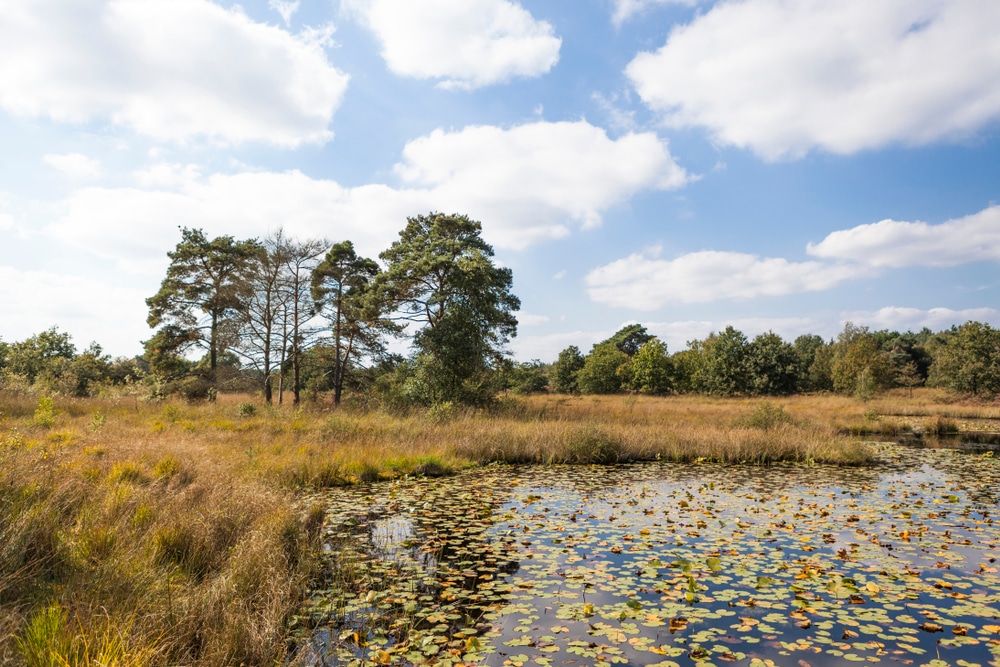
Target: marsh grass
[(183, 533)]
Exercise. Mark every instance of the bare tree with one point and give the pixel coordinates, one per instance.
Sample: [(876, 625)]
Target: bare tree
[(261, 327), (298, 309)]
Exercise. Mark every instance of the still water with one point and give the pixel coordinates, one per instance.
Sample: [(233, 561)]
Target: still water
[(667, 564)]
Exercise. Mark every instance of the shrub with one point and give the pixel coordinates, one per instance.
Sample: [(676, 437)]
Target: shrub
[(765, 417), (45, 413), (247, 409)]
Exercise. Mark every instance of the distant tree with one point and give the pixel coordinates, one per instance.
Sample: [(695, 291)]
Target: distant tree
[(529, 377), (806, 348), (565, 370), (440, 275), (968, 361), (204, 294), (726, 370), (821, 370), (599, 374), (908, 376), (859, 364), (629, 338), (298, 309), (650, 370), (260, 340), (34, 355), (687, 367), (773, 366), (342, 290)]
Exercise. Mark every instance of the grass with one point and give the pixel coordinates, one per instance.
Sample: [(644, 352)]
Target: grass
[(173, 533)]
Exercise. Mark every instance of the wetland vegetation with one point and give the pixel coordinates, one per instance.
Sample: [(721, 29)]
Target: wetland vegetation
[(737, 501), (140, 532)]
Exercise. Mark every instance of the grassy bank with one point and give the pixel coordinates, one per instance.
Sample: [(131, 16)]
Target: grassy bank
[(135, 533)]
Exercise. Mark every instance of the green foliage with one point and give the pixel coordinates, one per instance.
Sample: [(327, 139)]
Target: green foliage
[(806, 348), (246, 409), (629, 339), (342, 289), (765, 416), (526, 378), (45, 413), (564, 371), (202, 297), (968, 361), (599, 374), (773, 366), (440, 275), (860, 367), (650, 370), (725, 370), (45, 641), (34, 355)]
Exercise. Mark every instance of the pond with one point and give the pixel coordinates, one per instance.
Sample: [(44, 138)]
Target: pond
[(667, 564)]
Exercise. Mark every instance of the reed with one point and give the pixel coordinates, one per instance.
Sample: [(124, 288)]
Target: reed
[(143, 533)]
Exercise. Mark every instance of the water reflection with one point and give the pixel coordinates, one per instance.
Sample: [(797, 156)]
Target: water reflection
[(660, 563)]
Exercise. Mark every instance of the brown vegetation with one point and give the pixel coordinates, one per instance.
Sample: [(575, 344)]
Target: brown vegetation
[(137, 533)]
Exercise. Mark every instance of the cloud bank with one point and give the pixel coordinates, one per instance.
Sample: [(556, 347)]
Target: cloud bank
[(783, 77), (644, 281), (890, 243), (171, 71), (527, 184)]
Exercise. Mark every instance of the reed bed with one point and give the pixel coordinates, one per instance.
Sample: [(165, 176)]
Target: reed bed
[(144, 533)]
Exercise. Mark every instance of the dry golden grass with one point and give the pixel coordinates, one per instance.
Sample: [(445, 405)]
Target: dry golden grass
[(136, 533)]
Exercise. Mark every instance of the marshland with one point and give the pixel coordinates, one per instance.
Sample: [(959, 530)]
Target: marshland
[(269, 483), (171, 532)]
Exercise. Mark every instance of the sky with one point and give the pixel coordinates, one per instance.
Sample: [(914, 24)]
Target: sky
[(785, 165)]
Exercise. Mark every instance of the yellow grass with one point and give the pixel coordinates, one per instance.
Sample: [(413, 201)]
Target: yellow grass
[(136, 533)]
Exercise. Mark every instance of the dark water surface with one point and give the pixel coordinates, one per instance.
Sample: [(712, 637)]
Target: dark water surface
[(667, 564)]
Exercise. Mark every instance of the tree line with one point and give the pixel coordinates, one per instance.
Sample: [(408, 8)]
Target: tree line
[(282, 316), (858, 362)]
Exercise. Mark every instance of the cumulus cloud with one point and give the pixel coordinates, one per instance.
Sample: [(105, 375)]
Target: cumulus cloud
[(168, 70), (644, 281), (783, 77), (896, 244), (914, 319), (557, 168), (113, 315), (74, 166), (526, 184), (465, 44), (6, 222)]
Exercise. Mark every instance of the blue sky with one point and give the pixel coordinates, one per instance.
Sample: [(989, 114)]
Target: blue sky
[(783, 165)]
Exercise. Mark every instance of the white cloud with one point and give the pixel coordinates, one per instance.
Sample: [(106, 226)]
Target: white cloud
[(783, 77), (646, 282), (559, 275), (168, 70), (74, 166), (286, 8), (526, 185), (623, 10), (973, 238), (113, 315), (550, 168), (529, 320), (465, 43), (914, 319)]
